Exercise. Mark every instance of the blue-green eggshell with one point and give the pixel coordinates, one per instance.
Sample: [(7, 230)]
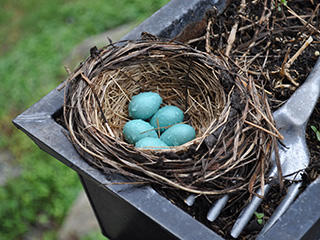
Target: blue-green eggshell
[(144, 105), (167, 115), (178, 135), (137, 129), (151, 143)]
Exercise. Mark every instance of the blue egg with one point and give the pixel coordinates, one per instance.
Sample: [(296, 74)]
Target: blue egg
[(166, 116), (144, 105), (178, 135), (151, 143), (137, 129)]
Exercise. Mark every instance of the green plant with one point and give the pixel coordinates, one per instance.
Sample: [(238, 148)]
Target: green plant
[(277, 4), (41, 196), (283, 2), (316, 131), (94, 236), (259, 217), (33, 64)]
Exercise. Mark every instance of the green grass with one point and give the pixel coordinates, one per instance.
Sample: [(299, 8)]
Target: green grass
[(35, 37), (40, 196), (47, 30), (93, 236)]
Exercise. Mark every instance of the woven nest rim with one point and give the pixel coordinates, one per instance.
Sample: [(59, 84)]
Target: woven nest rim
[(219, 153)]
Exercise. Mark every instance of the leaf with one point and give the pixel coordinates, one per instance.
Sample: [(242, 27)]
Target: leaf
[(314, 129), (318, 135), (259, 215)]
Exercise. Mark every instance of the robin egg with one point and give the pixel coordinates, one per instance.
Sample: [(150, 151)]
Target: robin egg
[(144, 105)]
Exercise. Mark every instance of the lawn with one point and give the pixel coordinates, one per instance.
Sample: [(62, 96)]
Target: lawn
[(36, 36)]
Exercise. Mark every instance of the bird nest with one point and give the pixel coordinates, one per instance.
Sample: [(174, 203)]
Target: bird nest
[(230, 113)]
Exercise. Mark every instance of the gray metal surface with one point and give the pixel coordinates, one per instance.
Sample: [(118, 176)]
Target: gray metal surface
[(173, 18), (301, 220), (293, 191), (217, 207)]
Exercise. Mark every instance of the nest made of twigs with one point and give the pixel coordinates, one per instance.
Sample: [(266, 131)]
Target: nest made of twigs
[(230, 113)]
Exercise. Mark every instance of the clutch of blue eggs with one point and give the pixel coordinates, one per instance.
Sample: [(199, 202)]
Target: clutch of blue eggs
[(166, 121)]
